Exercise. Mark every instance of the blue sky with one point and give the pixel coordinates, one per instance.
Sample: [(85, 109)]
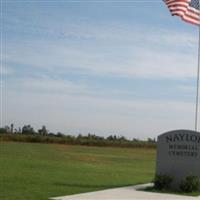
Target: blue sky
[(104, 67)]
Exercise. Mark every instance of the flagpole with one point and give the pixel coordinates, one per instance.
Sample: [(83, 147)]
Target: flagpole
[(197, 89)]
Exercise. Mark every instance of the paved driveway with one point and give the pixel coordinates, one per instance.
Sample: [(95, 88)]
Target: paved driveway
[(125, 193)]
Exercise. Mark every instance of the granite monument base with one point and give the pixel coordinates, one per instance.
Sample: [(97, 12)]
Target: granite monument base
[(178, 155)]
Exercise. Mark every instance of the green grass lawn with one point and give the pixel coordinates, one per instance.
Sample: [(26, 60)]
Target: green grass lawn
[(31, 171)]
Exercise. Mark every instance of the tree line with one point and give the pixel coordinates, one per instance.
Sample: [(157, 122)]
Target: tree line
[(28, 134)]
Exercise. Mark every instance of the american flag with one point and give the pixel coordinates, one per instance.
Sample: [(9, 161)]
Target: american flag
[(188, 10)]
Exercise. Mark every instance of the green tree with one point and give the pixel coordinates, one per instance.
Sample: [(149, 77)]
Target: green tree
[(3, 130), (27, 129), (43, 131), (12, 128)]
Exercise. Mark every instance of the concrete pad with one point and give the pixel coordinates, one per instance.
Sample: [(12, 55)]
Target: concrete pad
[(125, 193)]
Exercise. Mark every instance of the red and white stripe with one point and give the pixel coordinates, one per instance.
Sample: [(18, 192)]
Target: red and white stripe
[(182, 9)]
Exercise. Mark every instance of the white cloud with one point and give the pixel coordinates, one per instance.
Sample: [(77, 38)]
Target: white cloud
[(187, 88), (45, 84), (6, 70), (81, 113), (105, 50), (140, 35), (114, 50)]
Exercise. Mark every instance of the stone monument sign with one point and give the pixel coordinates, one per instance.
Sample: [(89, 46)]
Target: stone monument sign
[(178, 155)]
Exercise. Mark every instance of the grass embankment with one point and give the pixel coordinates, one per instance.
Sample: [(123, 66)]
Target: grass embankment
[(38, 171)]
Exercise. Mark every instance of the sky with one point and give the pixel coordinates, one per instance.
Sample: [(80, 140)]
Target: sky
[(101, 67)]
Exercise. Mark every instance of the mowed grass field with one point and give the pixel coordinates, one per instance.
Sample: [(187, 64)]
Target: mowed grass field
[(30, 171)]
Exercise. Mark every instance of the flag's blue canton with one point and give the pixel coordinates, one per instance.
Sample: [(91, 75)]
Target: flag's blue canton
[(195, 4)]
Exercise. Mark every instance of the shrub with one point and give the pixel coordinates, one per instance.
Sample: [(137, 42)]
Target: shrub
[(162, 182), (90, 140), (190, 184)]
